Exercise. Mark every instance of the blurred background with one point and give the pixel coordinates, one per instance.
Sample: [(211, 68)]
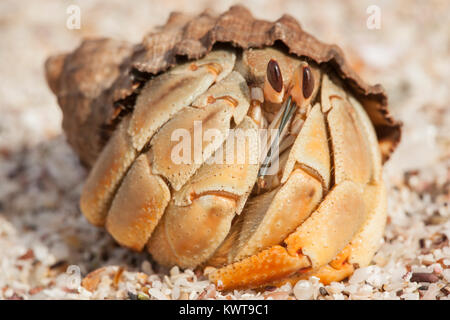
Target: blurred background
[(406, 49)]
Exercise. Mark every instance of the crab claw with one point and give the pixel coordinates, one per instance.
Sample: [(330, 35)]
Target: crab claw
[(267, 266), (339, 268), (315, 243)]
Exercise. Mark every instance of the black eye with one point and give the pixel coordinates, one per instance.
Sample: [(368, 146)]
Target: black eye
[(308, 82), (274, 75)]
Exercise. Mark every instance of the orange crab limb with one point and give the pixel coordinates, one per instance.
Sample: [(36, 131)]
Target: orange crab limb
[(326, 275), (339, 268), (313, 244), (362, 247), (269, 265), (135, 211)]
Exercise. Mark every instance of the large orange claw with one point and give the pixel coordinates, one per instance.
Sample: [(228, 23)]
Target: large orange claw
[(265, 267), (315, 243)]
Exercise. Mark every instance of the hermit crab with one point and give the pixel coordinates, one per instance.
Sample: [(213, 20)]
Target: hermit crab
[(321, 211)]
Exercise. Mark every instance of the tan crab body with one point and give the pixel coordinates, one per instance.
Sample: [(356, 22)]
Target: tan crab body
[(321, 212)]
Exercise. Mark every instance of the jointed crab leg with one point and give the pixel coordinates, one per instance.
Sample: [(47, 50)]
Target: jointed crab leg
[(360, 250), (167, 94), (214, 110), (154, 106), (135, 211), (315, 243), (106, 174), (203, 209)]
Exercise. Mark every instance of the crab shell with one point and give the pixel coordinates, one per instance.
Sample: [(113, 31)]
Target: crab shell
[(325, 213)]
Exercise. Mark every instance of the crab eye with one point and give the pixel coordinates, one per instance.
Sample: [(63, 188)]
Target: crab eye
[(308, 82), (302, 84), (274, 75)]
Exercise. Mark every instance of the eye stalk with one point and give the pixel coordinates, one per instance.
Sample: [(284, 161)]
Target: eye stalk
[(298, 97), (273, 84), (302, 85)]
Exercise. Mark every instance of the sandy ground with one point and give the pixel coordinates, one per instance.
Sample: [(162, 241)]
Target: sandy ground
[(46, 246)]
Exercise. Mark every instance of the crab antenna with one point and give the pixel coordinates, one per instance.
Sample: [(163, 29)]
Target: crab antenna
[(289, 108), (299, 94)]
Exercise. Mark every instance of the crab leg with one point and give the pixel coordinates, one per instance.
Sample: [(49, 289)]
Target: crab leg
[(228, 99), (213, 110), (167, 94), (160, 99), (313, 244), (351, 150), (359, 252), (310, 149), (205, 222), (135, 210), (106, 174), (203, 209)]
